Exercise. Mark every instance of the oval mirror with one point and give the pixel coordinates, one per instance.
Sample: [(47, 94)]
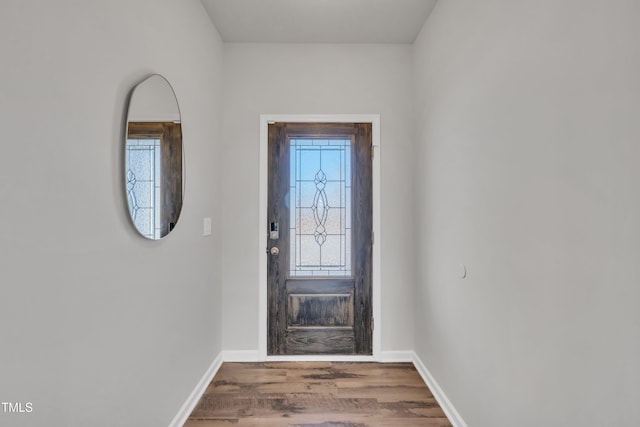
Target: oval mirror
[(154, 172)]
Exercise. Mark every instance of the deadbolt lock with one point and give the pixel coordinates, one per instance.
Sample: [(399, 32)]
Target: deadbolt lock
[(274, 231)]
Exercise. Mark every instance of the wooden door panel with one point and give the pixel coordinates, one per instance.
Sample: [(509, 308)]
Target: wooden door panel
[(363, 239), (320, 303), (313, 310), (320, 341)]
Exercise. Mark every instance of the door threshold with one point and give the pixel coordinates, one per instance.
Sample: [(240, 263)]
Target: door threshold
[(320, 358)]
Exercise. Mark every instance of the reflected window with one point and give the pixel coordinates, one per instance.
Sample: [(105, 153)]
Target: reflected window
[(143, 185)]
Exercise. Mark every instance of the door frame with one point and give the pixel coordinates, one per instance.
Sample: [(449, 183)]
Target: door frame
[(265, 119)]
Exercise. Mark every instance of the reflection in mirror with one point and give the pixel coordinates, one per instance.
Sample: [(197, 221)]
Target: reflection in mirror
[(154, 172)]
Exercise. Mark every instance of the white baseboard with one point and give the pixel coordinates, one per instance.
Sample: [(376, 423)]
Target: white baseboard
[(193, 399), (241, 356), (254, 356), (444, 402), (396, 356)]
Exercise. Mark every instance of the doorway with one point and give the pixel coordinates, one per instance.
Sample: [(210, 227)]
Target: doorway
[(303, 308), (320, 238)]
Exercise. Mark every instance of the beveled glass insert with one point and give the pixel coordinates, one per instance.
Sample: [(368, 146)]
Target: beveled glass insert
[(143, 185), (320, 212)]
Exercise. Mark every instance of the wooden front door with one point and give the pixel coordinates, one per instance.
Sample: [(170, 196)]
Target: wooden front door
[(319, 239)]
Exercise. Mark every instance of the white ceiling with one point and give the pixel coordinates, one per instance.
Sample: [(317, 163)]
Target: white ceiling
[(319, 21)]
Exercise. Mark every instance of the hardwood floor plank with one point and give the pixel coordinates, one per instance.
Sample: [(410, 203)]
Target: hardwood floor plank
[(385, 393), (323, 422), (305, 394)]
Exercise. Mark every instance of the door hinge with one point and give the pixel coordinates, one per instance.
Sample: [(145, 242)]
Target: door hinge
[(373, 152), (373, 323), (373, 237)]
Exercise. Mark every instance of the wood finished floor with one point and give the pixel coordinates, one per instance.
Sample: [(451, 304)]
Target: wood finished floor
[(324, 394)]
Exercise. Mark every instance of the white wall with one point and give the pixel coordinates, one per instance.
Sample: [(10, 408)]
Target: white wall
[(98, 325), (527, 162), (315, 79), (153, 101)]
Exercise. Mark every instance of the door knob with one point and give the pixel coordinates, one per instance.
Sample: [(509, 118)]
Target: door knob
[(274, 250)]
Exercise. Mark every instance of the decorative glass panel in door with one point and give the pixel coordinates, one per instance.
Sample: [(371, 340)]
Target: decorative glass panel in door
[(320, 227), (143, 185)]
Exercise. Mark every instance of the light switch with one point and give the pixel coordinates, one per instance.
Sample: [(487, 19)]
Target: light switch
[(206, 227)]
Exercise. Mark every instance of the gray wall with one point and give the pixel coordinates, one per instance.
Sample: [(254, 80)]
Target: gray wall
[(100, 326), (315, 79), (527, 162)]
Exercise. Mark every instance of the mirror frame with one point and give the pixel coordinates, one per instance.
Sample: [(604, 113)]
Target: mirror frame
[(168, 154)]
